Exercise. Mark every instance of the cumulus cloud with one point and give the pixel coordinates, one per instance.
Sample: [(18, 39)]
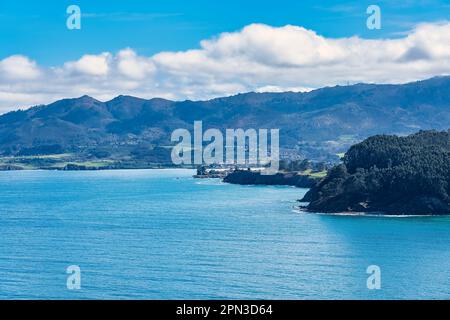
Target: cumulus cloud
[(257, 58), (18, 67), (93, 65), (131, 65)]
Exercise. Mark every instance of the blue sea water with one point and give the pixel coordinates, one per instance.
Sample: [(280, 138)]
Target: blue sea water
[(160, 234)]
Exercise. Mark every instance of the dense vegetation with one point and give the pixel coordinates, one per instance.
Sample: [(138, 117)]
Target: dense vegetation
[(303, 165), (246, 177), (389, 174), (299, 173)]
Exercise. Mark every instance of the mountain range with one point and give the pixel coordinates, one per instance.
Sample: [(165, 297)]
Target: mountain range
[(317, 125)]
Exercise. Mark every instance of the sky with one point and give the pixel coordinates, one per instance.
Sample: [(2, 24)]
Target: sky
[(181, 49)]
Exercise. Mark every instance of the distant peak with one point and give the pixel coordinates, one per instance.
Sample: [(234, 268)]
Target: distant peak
[(125, 97), (86, 97), (82, 99)]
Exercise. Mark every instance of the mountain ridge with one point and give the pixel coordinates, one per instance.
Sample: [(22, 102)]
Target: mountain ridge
[(359, 84), (316, 124)]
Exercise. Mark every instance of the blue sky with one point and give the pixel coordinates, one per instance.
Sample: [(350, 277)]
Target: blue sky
[(200, 49), (37, 28)]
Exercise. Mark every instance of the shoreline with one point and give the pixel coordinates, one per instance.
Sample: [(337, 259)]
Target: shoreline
[(96, 169), (93, 170), (300, 209)]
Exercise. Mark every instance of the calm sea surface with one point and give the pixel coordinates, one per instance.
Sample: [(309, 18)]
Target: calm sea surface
[(160, 234)]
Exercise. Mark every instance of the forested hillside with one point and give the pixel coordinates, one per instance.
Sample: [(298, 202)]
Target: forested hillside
[(389, 174), (315, 125)]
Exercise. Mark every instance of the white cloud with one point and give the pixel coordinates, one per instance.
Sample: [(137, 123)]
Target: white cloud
[(18, 67), (94, 65), (270, 88), (257, 58), (131, 65)]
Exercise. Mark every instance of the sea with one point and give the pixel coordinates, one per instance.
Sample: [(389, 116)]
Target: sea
[(161, 234)]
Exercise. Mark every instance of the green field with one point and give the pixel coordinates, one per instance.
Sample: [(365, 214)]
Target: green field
[(53, 161), (310, 173)]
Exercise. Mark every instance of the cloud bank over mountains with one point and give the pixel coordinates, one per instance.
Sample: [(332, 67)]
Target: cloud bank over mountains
[(257, 58)]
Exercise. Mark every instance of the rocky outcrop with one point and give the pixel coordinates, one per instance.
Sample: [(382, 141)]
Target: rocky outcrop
[(246, 177)]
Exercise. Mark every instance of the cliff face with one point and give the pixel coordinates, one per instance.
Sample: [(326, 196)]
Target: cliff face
[(390, 175), (356, 202), (246, 177)]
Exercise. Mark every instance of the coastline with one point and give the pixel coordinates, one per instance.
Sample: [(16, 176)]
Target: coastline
[(300, 209), (87, 168)]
